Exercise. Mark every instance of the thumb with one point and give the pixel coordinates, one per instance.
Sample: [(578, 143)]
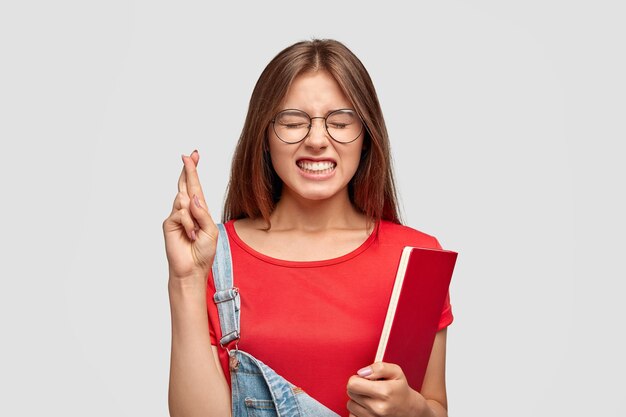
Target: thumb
[(381, 370)]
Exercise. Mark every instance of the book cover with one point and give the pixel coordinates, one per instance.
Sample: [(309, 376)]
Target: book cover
[(415, 305)]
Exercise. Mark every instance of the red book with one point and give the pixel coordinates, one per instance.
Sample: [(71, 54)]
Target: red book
[(417, 298)]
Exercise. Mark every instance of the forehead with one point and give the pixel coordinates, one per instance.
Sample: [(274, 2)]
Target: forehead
[(315, 92)]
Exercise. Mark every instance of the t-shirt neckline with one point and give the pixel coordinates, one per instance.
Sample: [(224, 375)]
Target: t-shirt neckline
[(234, 237)]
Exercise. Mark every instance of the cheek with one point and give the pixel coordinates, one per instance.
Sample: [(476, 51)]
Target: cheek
[(279, 157), (356, 158)]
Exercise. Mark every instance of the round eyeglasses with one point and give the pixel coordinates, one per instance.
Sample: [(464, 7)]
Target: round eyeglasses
[(293, 125)]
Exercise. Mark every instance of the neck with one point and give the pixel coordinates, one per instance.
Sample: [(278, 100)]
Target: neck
[(294, 212)]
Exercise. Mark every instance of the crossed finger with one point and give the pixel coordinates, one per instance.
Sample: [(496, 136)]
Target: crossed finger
[(182, 199), (182, 180), (192, 181)]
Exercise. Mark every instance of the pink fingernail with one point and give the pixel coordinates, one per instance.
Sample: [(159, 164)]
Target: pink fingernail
[(193, 235), (196, 201), (367, 371)]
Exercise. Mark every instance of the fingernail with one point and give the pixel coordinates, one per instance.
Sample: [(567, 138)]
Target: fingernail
[(182, 156), (196, 201), (195, 151), (364, 371), (193, 235)]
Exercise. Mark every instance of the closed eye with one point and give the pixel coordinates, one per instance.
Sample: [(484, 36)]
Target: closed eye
[(294, 125)]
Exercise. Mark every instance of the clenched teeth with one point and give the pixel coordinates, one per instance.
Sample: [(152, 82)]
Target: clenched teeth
[(318, 166)]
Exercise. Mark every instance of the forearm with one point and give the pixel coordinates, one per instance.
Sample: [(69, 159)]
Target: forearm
[(435, 409), (197, 386)]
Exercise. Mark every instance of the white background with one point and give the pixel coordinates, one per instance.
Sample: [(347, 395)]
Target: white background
[(505, 118)]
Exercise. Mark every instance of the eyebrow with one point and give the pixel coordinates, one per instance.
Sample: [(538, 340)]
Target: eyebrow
[(327, 113)]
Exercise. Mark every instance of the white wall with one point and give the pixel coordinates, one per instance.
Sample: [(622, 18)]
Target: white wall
[(505, 120)]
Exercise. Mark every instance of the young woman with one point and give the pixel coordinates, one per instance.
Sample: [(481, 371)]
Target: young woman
[(315, 239)]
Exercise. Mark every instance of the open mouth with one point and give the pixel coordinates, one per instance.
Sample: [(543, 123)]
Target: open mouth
[(316, 167)]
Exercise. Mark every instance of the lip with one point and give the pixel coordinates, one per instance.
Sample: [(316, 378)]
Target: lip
[(316, 159)]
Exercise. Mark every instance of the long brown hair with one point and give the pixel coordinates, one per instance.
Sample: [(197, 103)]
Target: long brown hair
[(254, 186)]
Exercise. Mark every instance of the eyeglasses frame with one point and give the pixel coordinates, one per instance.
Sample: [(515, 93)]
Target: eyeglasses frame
[(273, 122)]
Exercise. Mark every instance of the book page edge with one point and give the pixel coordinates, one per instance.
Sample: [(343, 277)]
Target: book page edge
[(393, 303)]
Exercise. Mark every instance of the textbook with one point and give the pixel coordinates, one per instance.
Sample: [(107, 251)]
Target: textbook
[(412, 320)]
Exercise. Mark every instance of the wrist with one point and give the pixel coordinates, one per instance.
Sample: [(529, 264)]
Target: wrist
[(188, 287)]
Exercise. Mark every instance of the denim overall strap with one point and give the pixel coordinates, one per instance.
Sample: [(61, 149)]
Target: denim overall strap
[(226, 296)]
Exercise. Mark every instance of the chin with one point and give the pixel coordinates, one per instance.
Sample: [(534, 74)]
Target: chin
[(318, 194)]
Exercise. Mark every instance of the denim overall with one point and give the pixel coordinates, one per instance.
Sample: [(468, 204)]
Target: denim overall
[(256, 389)]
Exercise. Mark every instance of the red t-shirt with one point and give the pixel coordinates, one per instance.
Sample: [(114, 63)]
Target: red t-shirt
[(316, 323)]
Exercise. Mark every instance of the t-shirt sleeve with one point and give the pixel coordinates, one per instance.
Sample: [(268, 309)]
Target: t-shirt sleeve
[(446, 313)]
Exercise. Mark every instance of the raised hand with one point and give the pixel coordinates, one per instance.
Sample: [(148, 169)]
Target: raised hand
[(190, 233)]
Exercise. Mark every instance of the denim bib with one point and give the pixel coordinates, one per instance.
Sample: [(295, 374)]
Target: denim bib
[(256, 389)]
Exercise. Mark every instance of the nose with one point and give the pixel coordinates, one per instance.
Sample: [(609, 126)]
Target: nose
[(318, 136)]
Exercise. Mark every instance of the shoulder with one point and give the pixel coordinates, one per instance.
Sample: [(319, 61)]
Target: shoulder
[(244, 224), (397, 234), (246, 228)]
